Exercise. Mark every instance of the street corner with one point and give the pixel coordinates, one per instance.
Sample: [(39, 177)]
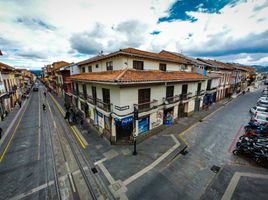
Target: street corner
[(120, 164), (238, 182)]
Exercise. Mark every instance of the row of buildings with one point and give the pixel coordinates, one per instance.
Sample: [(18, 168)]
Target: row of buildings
[(132, 92), (13, 84)]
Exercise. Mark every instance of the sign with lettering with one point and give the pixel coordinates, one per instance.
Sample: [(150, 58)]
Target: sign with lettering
[(121, 108)]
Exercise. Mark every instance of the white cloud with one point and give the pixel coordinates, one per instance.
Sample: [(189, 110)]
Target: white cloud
[(88, 26)]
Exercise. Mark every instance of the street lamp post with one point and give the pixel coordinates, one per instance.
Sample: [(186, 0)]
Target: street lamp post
[(136, 118)]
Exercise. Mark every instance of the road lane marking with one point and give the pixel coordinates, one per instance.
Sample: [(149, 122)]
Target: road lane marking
[(234, 181), (151, 166), (231, 146), (9, 142), (80, 138), (100, 161), (106, 173)]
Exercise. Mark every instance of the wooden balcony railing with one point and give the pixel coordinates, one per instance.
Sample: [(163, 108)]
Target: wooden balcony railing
[(82, 95), (143, 107)]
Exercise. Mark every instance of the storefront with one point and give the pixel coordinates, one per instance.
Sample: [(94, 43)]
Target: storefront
[(143, 125), (168, 116), (124, 127)]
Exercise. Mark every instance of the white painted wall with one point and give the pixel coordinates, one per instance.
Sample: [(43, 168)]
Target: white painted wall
[(74, 69)]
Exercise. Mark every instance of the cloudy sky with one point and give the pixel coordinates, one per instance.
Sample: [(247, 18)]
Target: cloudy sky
[(38, 32)]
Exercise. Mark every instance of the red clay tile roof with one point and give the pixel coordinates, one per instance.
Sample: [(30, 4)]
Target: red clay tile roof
[(138, 53), (4, 66), (138, 76), (58, 65)]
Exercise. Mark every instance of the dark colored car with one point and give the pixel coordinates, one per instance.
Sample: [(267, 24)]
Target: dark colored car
[(35, 89)]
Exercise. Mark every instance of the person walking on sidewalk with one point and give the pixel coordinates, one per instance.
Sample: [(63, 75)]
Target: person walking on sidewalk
[(67, 115), (0, 133), (19, 102), (45, 94)]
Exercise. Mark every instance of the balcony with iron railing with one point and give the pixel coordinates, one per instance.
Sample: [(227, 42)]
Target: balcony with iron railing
[(82, 95), (75, 92), (170, 100), (147, 106), (187, 96), (200, 93), (104, 106), (91, 100)]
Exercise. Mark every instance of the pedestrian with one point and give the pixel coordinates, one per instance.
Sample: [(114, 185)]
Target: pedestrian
[(0, 133), (44, 107), (67, 115), (19, 102), (45, 94), (243, 92)]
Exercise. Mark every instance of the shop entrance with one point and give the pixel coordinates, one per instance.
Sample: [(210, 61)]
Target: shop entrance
[(181, 109), (124, 128)]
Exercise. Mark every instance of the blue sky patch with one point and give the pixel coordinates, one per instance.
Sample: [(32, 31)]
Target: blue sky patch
[(180, 7), (155, 32)]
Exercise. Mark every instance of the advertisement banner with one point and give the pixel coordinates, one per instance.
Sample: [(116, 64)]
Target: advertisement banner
[(143, 125)]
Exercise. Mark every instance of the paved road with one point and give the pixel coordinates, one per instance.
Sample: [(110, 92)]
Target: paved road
[(44, 159), (211, 144)]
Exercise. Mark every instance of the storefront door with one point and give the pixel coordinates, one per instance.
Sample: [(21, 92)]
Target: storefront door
[(168, 116)]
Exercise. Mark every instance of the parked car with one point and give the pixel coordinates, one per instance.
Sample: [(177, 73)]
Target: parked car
[(261, 118), (35, 89), (257, 109), (265, 98), (262, 103)]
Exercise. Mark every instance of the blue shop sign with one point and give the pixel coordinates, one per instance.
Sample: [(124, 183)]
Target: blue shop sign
[(143, 125), (124, 121)]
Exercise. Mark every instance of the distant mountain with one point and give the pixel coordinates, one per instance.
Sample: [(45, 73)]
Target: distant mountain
[(36, 72), (260, 68)]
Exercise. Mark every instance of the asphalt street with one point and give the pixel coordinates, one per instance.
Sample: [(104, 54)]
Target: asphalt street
[(211, 143), (44, 160)]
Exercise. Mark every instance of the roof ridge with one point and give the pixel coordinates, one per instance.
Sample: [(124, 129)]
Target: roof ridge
[(121, 74)]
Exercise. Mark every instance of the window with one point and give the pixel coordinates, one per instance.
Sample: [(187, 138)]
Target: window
[(90, 68), (109, 65), (85, 90), (209, 84), (106, 95), (106, 99), (97, 66), (94, 94), (83, 69), (138, 65), (199, 87), (163, 67), (170, 91), (184, 89), (144, 98), (77, 88), (183, 67)]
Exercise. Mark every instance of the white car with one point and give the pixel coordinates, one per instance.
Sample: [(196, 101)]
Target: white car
[(261, 118), (263, 98), (257, 109), (262, 103)]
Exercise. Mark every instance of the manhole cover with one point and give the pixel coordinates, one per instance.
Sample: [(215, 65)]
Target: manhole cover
[(94, 170), (215, 169)]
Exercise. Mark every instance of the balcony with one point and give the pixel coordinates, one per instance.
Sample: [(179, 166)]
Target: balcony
[(82, 95), (170, 100), (187, 96), (104, 106), (91, 100), (75, 92), (143, 107), (200, 93)]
